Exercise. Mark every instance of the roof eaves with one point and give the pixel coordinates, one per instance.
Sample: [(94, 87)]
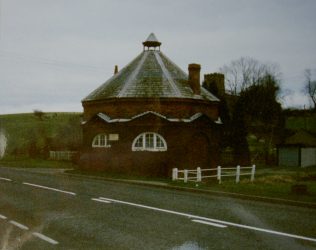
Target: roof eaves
[(104, 117), (149, 112), (194, 117)]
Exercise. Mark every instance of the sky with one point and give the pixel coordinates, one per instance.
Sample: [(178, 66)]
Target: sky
[(53, 53)]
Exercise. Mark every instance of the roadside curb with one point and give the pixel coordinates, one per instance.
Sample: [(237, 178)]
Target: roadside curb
[(201, 191)]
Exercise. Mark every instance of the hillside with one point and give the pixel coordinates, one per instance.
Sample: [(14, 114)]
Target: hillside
[(28, 134), (306, 122)]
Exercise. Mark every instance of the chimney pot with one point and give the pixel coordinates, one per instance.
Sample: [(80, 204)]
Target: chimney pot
[(115, 69)]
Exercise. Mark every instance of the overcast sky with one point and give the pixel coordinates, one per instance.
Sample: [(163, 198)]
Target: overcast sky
[(53, 53)]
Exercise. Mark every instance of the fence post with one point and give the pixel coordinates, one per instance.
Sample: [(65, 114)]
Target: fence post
[(237, 174), (253, 170), (185, 175), (174, 174), (219, 174), (198, 174)]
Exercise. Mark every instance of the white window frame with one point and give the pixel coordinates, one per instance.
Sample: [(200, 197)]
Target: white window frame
[(145, 140), (96, 142)]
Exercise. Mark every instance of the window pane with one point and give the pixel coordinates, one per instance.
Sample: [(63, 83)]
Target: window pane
[(139, 142), (149, 141), (102, 140), (159, 142), (96, 141)]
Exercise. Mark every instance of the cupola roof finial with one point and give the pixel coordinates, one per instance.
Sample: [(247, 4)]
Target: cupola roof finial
[(151, 42)]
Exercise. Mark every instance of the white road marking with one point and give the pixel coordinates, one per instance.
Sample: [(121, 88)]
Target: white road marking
[(3, 217), (39, 235), (191, 216), (104, 201), (19, 225), (44, 237), (210, 223), (49, 188), (5, 179)]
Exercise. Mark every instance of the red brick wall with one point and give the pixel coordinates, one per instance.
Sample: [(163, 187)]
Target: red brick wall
[(189, 145)]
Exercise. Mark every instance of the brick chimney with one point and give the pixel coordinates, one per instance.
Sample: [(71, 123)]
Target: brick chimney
[(194, 78), (215, 83)]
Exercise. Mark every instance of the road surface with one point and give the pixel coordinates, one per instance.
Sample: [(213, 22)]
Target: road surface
[(54, 211)]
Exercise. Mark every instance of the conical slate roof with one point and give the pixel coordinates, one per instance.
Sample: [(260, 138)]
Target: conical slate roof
[(150, 75)]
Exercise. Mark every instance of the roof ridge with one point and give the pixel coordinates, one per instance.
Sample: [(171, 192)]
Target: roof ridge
[(133, 76), (166, 73)]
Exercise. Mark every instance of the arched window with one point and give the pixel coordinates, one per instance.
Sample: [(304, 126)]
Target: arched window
[(100, 141), (149, 142)]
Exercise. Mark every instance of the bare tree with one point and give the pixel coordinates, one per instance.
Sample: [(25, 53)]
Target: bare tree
[(310, 86), (244, 72)]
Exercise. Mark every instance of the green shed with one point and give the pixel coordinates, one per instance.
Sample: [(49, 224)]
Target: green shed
[(299, 150)]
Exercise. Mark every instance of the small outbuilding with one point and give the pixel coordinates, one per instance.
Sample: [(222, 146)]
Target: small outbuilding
[(299, 150), (150, 117)]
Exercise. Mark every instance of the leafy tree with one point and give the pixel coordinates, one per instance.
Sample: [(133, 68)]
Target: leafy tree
[(68, 136), (261, 112), (36, 141), (238, 135), (39, 114), (259, 101), (310, 87)]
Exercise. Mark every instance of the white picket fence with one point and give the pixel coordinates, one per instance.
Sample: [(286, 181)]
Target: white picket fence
[(61, 155), (199, 174)]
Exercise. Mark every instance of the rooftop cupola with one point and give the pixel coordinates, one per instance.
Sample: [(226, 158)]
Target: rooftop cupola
[(151, 42)]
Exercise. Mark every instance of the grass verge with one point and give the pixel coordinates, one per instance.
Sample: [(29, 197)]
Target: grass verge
[(274, 182), (25, 162)]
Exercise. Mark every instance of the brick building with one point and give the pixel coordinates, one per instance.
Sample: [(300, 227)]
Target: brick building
[(150, 117)]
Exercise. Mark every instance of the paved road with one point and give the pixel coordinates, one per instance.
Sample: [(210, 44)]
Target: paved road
[(47, 211)]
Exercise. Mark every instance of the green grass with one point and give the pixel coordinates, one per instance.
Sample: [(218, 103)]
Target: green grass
[(307, 122), (25, 162), (121, 176), (273, 182)]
